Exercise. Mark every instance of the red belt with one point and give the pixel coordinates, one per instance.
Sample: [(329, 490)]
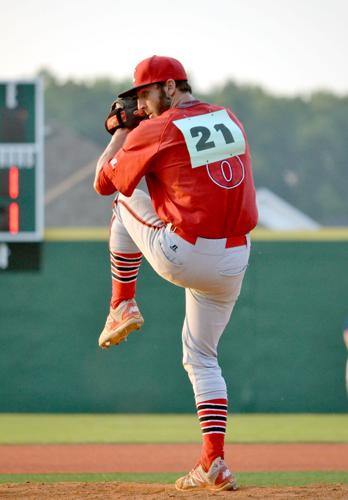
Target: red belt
[(232, 241)]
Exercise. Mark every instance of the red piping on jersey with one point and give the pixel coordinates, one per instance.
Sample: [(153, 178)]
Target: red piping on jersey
[(136, 216)]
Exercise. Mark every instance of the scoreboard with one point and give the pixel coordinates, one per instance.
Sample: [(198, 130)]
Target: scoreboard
[(21, 161)]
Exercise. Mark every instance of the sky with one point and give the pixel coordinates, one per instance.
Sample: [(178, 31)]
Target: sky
[(287, 47)]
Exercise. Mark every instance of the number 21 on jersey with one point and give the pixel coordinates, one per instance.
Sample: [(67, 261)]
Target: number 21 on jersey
[(214, 140)]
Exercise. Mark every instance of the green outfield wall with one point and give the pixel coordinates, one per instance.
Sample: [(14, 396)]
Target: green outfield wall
[(282, 351)]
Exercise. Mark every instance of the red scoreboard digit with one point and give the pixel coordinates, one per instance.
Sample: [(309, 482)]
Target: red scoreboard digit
[(10, 217), (21, 161)]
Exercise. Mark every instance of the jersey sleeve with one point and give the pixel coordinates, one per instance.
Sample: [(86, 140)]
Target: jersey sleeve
[(104, 186), (133, 160)]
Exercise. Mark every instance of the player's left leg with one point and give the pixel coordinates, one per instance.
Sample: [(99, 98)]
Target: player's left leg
[(153, 237), (125, 259), (136, 230)]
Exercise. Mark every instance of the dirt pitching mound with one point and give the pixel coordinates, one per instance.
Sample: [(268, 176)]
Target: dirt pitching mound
[(137, 491)]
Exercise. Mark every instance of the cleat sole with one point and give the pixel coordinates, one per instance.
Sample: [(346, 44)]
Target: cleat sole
[(122, 335)]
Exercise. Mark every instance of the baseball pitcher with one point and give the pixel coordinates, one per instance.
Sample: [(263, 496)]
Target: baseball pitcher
[(192, 224)]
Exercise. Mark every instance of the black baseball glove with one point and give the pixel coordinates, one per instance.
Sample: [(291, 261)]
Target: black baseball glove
[(123, 114)]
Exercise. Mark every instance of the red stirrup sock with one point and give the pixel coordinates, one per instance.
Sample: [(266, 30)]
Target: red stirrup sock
[(124, 272), (212, 416)]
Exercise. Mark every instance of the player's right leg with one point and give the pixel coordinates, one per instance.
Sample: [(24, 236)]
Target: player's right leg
[(216, 478), (208, 310), (206, 318)]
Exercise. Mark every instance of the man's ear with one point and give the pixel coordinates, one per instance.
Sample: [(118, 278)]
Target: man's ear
[(170, 86)]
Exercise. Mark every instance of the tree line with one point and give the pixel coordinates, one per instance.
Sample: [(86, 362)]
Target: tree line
[(299, 144)]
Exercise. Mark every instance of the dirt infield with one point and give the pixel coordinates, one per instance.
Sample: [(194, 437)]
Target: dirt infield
[(40, 459), (115, 490)]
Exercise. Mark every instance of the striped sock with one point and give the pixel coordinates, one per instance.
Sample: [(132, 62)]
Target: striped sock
[(124, 272), (212, 416)]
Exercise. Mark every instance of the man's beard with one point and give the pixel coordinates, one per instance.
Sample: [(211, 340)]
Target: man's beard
[(164, 102)]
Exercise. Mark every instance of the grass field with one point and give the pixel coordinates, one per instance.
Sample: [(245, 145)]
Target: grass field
[(130, 428), (244, 478), (123, 428)]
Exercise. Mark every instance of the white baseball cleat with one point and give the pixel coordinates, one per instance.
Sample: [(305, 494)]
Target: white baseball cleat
[(120, 323), (218, 478)]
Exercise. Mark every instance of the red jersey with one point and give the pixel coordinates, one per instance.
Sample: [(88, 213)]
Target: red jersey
[(196, 162)]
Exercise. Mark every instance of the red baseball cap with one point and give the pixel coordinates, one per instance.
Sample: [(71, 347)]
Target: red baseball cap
[(155, 69)]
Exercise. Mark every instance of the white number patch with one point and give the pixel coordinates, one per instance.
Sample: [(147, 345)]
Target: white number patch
[(211, 137)]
